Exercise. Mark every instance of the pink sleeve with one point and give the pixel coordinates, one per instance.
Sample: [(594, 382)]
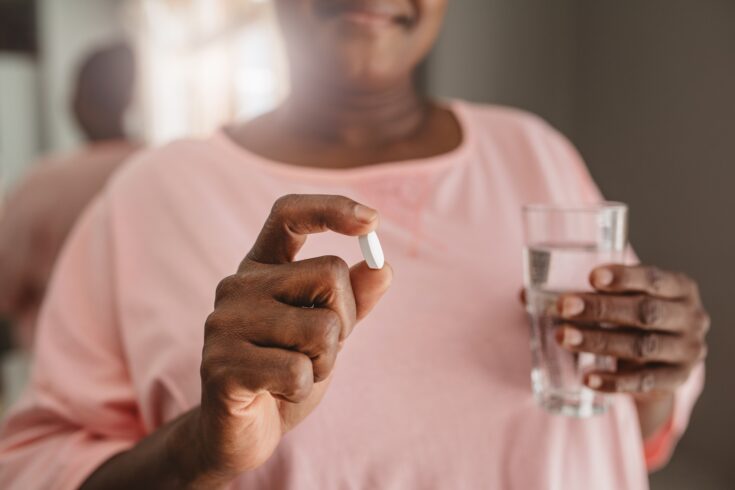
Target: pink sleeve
[(80, 408), (567, 171), (575, 177)]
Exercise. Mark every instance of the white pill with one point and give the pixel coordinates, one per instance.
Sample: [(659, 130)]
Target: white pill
[(372, 252)]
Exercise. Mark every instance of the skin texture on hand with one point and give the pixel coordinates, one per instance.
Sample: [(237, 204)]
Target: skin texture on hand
[(655, 325), (277, 328), (270, 346)]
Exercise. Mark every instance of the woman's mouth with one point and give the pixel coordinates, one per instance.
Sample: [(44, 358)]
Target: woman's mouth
[(368, 16)]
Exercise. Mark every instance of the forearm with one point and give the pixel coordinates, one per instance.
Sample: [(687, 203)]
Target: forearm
[(654, 413), (170, 458)]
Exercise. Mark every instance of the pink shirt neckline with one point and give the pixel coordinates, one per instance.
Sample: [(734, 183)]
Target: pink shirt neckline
[(383, 169)]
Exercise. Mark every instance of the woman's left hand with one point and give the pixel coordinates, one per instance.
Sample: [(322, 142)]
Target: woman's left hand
[(651, 320)]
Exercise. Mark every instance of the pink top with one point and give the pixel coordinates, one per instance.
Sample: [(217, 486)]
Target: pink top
[(432, 390)]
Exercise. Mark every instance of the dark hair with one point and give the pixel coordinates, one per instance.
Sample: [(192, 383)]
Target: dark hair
[(104, 89)]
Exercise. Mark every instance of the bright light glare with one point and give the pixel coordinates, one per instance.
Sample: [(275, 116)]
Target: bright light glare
[(201, 69)]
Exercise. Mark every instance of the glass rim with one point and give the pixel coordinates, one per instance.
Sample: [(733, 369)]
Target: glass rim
[(572, 207)]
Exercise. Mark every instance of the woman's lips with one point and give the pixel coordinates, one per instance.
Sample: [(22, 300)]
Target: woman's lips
[(368, 19), (370, 14)]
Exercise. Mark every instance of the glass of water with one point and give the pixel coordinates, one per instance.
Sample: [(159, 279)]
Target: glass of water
[(563, 245)]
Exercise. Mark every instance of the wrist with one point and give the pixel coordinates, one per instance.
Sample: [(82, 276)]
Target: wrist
[(194, 465)]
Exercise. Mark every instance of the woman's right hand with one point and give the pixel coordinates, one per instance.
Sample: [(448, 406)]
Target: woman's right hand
[(277, 327)]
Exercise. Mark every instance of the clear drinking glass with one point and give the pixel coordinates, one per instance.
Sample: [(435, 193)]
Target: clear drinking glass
[(563, 245)]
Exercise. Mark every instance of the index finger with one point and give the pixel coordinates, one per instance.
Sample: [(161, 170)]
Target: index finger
[(642, 279), (295, 216)]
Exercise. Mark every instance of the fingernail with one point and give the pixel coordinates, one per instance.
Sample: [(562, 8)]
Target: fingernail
[(572, 306), (602, 277), (365, 214), (594, 381), (572, 337)]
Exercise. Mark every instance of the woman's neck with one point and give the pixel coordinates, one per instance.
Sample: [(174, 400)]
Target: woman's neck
[(357, 119), (333, 129)]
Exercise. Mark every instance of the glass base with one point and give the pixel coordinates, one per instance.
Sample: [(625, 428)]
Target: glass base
[(585, 403)]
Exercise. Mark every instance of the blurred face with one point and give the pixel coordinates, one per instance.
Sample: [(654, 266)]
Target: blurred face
[(359, 44)]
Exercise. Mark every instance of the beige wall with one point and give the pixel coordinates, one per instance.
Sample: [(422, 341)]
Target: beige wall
[(69, 29), (19, 142), (646, 90), (656, 120), (515, 52)]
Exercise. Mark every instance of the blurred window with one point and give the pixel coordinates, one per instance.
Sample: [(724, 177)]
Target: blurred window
[(204, 63)]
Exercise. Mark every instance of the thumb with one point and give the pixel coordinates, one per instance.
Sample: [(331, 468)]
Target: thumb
[(368, 286)]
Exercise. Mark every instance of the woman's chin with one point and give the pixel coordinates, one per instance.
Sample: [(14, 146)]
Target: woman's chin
[(361, 69)]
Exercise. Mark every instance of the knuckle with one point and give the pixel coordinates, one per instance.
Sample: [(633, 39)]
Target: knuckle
[(300, 378), (329, 332), (596, 306), (218, 322), (646, 382), (213, 323), (282, 204), (321, 372), (598, 342), (205, 371), (226, 287), (655, 278), (335, 268), (646, 346), (649, 312), (698, 349), (702, 320)]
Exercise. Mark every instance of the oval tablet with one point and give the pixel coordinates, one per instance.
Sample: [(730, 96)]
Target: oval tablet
[(372, 252)]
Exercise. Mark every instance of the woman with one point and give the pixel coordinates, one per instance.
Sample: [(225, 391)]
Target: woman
[(431, 389)]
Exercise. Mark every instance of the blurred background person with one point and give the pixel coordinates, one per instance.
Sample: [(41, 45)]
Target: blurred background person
[(637, 97), (42, 209)]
